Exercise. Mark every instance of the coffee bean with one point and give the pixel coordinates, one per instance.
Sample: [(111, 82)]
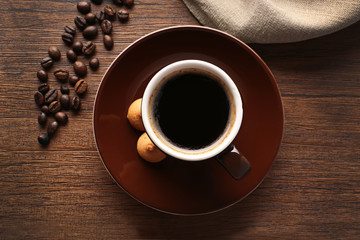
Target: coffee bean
[(61, 118), (45, 109), (80, 68), (54, 107), (70, 29), (61, 75), (73, 80), (67, 38), (90, 32), (39, 98), (89, 48), (42, 75), (52, 127), (94, 63), (77, 47), (106, 26), (75, 103), (80, 22), (90, 18), (108, 42), (118, 2), (43, 139), (42, 118), (109, 12), (97, 1), (71, 55), (43, 88), (100, 16), (64, 89), (81, 87), (54, 53), (83, 7), (47, 62), (123, 15), (129, 3), (51, 96), (65, 101)]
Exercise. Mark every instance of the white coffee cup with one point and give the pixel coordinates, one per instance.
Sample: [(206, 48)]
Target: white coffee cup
[(153, 129)]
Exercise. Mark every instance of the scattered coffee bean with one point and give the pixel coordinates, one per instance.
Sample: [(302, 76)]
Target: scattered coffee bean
[(94, 63), (54, 53), (70, 29), (45, 109), (90, 32), (100, 16), (89, 48), (52, 127), (80, 22), (43, 88), (80, 68), (90, 18), (97, 1), (71, 55), (106, 26), (61, 118), (47, 62), (123, 15), (73, 80), (108, 42), (54, 107), (77, 47), (81, 87), (83, 7), (65, 101), (39, 98), (67, 38), (42, 75), (75, 103), (109, 12), (42, 118), (64, 89), (85, 24), (118, 2), (43, 139), (61, 75), (129, 3), (51, 96)]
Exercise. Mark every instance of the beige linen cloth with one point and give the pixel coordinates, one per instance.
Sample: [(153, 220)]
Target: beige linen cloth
[(275, 21)]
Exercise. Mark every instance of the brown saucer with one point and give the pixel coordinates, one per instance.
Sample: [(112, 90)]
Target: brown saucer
[(176, 186)]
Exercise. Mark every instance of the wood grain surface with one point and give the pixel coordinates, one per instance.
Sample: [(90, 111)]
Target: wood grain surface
[(64, 192)]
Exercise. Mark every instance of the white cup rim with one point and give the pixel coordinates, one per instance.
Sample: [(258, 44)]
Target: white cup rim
[(213, 149)]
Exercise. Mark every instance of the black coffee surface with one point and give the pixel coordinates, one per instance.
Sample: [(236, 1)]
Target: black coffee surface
[(192, 110)]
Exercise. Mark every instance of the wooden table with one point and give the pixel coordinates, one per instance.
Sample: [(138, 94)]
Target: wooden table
[(64, 192)]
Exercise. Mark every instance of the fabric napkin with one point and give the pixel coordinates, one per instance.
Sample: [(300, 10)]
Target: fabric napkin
[(276, 21)]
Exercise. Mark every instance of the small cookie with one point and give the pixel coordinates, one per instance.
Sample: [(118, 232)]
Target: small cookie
[(148, 151), (134, 115)]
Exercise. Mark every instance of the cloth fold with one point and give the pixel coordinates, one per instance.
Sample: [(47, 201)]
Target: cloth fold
[(276, 21)]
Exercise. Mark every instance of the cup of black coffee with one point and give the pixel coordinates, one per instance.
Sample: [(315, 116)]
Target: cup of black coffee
[(192, 110)]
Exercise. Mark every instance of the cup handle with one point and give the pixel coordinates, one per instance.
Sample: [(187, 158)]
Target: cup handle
[(234, 162)]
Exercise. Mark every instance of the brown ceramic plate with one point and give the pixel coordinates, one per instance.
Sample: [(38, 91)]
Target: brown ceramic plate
[(176, 186)]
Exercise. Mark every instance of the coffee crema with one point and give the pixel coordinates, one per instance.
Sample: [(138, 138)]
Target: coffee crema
[(192, 109)]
